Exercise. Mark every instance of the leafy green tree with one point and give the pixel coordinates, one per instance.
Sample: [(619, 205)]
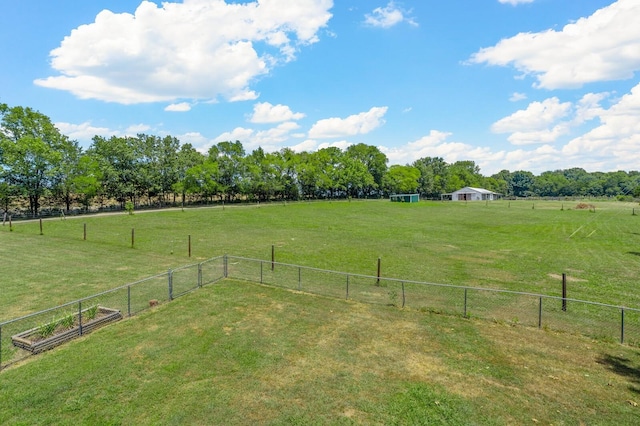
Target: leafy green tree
[(463, 173), (187, 158), (401, 179), (31, 151), (65, 174), (117, 159), (229, 156), (550, 184), (521, 183), (286, 165), (203, 180), (328, 165), (86, 182), (433, 179), (375, 162), (308, 174), (355, 178)]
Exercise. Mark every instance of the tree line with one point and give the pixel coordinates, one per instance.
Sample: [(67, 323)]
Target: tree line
[(39, 164)]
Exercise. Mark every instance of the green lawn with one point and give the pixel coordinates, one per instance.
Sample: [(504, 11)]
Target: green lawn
[(240, 353), (506, 245)]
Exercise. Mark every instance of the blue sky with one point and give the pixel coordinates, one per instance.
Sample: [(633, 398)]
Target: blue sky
[(510, 84)]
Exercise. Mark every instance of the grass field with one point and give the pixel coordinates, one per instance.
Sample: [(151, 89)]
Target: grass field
[(506, 245), (238, 353)]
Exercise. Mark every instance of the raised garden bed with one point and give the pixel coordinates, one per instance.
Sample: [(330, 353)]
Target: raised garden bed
[(52, 334)]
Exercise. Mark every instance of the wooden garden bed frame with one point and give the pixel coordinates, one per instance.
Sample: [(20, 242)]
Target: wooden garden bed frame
[(30, 341)]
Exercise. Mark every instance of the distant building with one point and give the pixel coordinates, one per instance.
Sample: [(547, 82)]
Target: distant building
[(471, 194), (405, 198)]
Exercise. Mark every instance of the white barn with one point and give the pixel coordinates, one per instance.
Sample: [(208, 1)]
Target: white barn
[(471, 194)]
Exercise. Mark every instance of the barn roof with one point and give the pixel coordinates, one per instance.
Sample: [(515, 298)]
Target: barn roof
[(478, 190)]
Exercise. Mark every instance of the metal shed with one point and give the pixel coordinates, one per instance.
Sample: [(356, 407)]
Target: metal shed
[(405, 198)]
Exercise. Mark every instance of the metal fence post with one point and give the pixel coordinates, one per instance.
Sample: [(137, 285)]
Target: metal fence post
[(80, 317), (199, 274), (347, 287), (622, 326), (225, 262), (261, 271), (170, 284), (129, 300), (540, 313), (299, 278), (465, 302), (403, 296)]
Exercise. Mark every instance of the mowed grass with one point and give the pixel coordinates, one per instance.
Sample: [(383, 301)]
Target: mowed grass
[(516, 245), (241, 353)]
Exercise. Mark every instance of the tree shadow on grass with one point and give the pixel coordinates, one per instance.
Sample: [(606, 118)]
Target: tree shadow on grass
[(635, 253), (623, 367)]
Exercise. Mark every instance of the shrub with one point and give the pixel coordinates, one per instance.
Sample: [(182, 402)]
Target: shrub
[(129, 207)]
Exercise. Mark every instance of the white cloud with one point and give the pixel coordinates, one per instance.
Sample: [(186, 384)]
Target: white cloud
[(602, 47), (545, 122), (436, 144), (180, 107), (197, 49), (616, 141), (353, 125), (134, 129), (515, 2), (270, 140), (388, 16), (200, 142), (306, 145), (84, 132), (537, 116), (516, 96), (266, 113), (343, 145)]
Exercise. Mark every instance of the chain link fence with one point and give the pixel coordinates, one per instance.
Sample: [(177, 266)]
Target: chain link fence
[(34, 333), (597, 320), (22, 337)]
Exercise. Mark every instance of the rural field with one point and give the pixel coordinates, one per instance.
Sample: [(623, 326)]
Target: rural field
[(239, 353)]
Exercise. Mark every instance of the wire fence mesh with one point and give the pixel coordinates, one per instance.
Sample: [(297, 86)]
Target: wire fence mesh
[(23, 336), (600, 321)]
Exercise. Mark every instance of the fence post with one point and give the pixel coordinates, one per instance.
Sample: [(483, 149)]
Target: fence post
[(299, 278), (133, 235), (465, 302), (273, 257), (41, 227), (80, 317), (540, 313), (261, 271), (378, 280), (85, 232), (225, 261), (403, 296), (170, 285), (199, 274), (621, 325), (564, 291), (347, 287), (0, 347), (189, 245), (129, 300)]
